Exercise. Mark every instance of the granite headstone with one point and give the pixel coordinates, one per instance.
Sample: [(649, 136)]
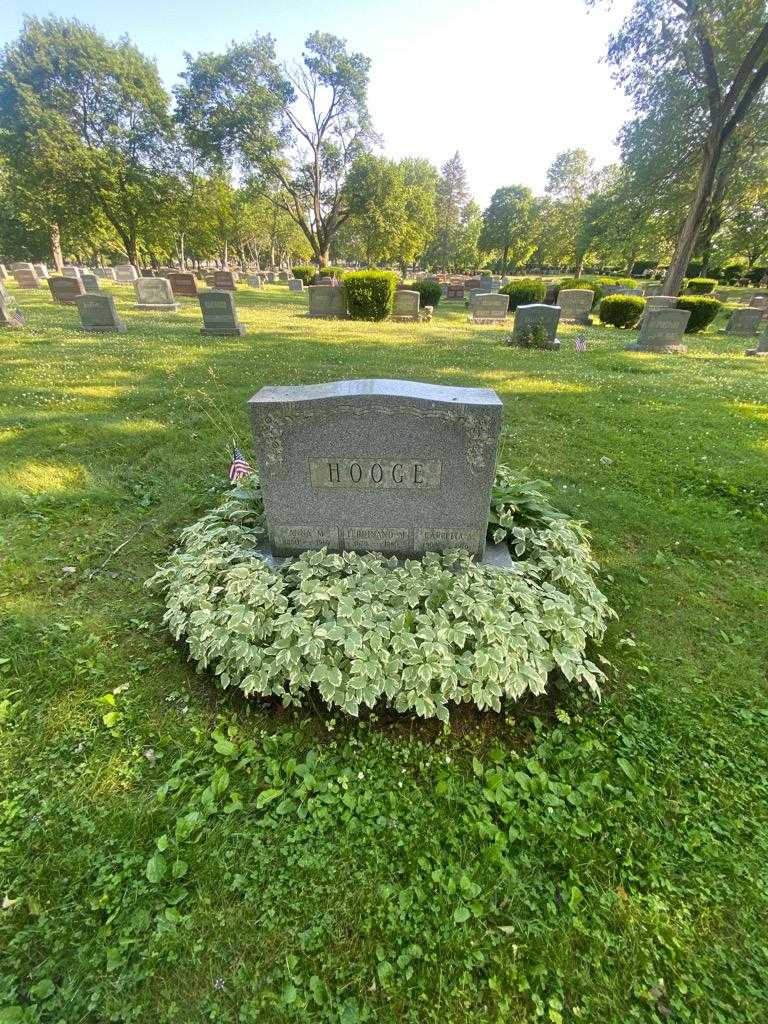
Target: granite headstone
[(90, 283), (125, 273), (66, 289), (224, 281), (536, 323), (98, 313), (575, 304), (326, 301), (406, 306), (220, 315), (26, 278), (183, 284), (489, 308), (661, 330), (744, 321), (154, 294), (295, 284)]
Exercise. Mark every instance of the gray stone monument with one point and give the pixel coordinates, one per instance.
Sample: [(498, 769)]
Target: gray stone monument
[(406, 305), (744, 322), (106, 273), (155, 295), (762, 347), (90, 283), (489, 308), (69, 271), (10, 317), (98, 313), (66, 289), (759, 302), (220, 315), (125, 273), (376, 465), (183, 284), (254, 280), (295, 284), (327, 302), (224, 281), (26, 278), (654, 289), (536, 326), (661, 331), (575, 304), (660, 302), (41, 270)]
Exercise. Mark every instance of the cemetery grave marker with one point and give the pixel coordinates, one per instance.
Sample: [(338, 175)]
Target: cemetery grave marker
[(759, 302), (454, 291), (107, 273), (183, 284), (254, 280), (536, 317), (762, 347), (489, 308), (8, 317), (98, 314), (26, 278), (90, 283), (393, 466), (744, 321), (41, 270), (575, 304), (661, 330), (220, 315), (70, 272), (224, 281), (65, 290), (295, 284), (154, 294), (406, 305), (326, 301), (3, 272), (125, 273)]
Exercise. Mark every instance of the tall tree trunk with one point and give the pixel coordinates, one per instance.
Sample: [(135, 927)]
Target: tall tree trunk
[(689, 232), (323, 256), (56, 255), (580, 266)]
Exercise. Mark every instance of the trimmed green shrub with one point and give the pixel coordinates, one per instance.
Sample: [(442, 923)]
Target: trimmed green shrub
[(756, 274), (351, 627), (337, 272), (694, 268), (701, 285), (370, 294), (621, 310), (703, 311), (732, 273), (524, 290), (430, 292), (306, 274)]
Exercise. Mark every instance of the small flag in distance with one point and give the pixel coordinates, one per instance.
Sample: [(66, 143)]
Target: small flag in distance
[(581, 343)]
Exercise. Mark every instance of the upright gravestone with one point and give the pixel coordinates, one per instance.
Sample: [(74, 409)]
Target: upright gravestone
[(254, 280), (283, 276), (107, 273), (758, 302), (744, 322), (661, 331), (326, 302), (575, 304), (72, 272), (98, 313), (90, 283), (21, 265), (148, 272), (65, 290), (660, 302), (406, 305), (376, 465), (270, 276), (183, 284), (454, 290), (535, 326), (41, 270), (762, 347), (9, 317), (125, 273), (224, 281), (155, 295), (295, 284), (489, 308), (654, 289), (220, 315), (26, 278)]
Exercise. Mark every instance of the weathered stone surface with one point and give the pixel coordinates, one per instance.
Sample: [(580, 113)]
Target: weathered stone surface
[(90, 283), (759, 302), (107, 273), (661, 331), (762, 347), (183, 285), (41, 270), (489, 308), (660, 302), (224, 281), (66, 289), (148, 272), (98, 313), (69, 271), (406, 305), (526, 319), (654, 289), (155, 294), (575, 304), (125, 273), (454, 290), (744, 321), (254, 280), (376, 465), (220, 315), (326, 301), (295, 284), (26, 278)]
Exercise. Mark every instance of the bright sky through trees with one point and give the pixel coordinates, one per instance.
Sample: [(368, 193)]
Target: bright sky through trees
[(508, 83)]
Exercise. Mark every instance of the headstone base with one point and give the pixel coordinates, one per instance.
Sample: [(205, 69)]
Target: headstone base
[(148, 307), (662, 350), (224, 332), (495, 556), (756, 352), (487, 320), (118, 328)]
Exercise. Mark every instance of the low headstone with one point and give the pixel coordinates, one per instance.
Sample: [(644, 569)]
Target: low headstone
[(744, 321), (654, 289), (489, 308), (69, 271), (220, 315), (106, 273), (406, 305), (183, 284), (329, 282), (761, 349), (26, 278), (759, 302), (575, 304), (41, 270), (125, 273), (282, 276), (295, 284), (536, 321), (155, 295), (254, 280), (660, 302), (21, 265), (10, 316), (550, 295), (148, 272), (90, 283), (454, 291), (661, 330), (98, 313), (224, 281), (65, 290), (270, 277), (326, 301), (376, 465)]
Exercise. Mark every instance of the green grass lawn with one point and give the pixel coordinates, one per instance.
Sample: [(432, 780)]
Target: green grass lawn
[(171, 854)]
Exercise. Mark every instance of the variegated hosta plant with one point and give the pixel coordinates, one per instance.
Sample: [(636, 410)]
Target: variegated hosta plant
[(363, 629)]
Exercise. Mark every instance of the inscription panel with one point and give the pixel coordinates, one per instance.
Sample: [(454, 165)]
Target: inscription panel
[(375, 473), (378, 538), (306, 538)]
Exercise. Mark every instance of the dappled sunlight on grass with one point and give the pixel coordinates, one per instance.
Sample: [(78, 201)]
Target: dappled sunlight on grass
[(41, 478)]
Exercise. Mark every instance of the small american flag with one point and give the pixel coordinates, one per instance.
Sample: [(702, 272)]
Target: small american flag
[(580, 343), (239, 468), (18, 316)]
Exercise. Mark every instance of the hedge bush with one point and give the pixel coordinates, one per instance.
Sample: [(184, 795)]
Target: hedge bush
[(337, 272), (703, 311), (430, 292), (700, 285), (524, 290), (364, 629), (621, 310), (306, 274), (370, 294)]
